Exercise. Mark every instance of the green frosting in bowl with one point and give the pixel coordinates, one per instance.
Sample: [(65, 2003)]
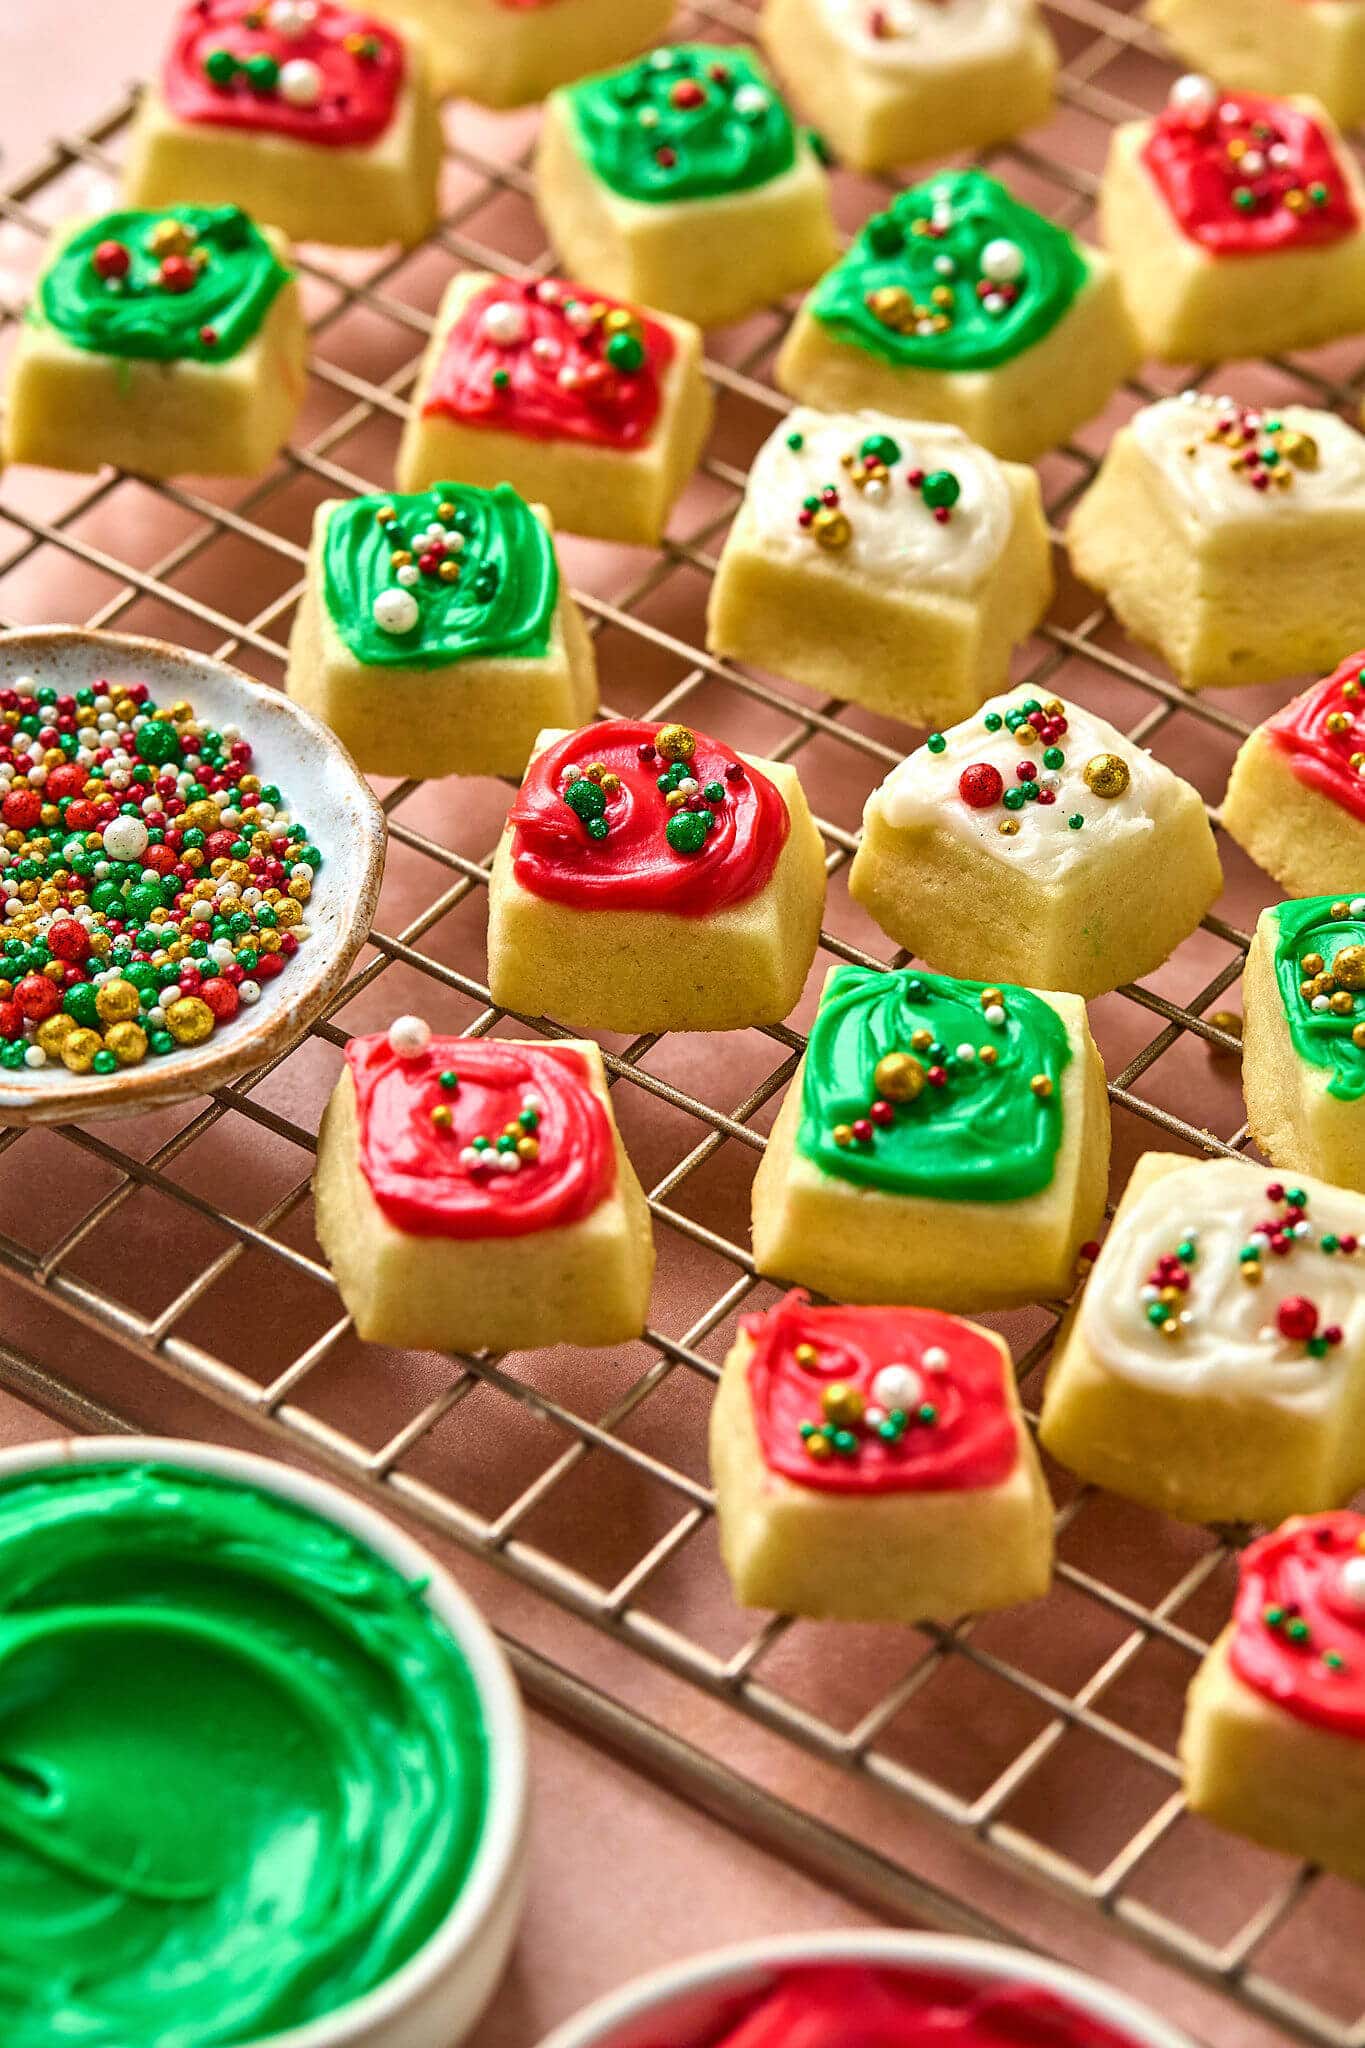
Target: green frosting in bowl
[(243, 1771)]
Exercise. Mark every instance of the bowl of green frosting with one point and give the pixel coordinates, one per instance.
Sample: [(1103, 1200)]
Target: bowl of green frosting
[(262, 1765)]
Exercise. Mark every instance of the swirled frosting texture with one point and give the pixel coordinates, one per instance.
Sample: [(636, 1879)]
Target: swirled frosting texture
[(226, 68), (210, 316), (242, 1768), (500, 604), (1243, 175), (634, 864), (1322, 1025), (694, 121), (977, 1130), (420, 1171), (1298, 1628), (834, 2005), (954, 275), (1322, 731)]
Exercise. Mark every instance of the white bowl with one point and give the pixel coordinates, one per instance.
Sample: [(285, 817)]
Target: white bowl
[(438, 1994), (323, 786), (688, 2004)]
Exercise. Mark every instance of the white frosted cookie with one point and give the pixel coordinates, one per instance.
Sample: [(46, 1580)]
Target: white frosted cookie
[(942, 1142), (1237, 222), (168, 343), (436, 634), (1035, 839), (652, 879), (1296, 797), (681, 181), (597, 410), (909, 79), (309, 113), (889, 562), (506, 53), (474, 1194), (872, 1464), (1274, 46), (1215, 1368), (1229, 537), (1303, 1048), (1274, 1738), (957, 302)]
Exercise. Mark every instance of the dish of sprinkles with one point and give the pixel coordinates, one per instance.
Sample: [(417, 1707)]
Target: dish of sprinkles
[(151, 881), (1167, 1288)]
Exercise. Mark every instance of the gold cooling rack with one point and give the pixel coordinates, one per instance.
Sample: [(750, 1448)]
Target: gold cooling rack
[(1040, 1746)]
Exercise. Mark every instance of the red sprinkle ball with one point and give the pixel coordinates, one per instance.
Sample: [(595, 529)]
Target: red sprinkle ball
[(981, 785)]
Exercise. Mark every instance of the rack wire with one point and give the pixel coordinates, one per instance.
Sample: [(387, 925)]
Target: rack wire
[(1046, 1745)]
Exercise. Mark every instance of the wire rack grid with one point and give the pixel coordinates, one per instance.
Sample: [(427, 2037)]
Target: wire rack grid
[(1062, 1721)]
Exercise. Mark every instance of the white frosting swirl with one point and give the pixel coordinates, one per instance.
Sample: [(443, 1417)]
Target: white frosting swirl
[(923, 35), (1174, 435), (923, 792), (1231, 1346), (895, 536)]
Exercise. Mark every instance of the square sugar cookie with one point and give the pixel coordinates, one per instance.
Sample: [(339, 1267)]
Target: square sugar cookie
[(651, 879), (1296, 798), (1303, 1045), (473, 1194), (507, 53), (1035, 839), (1275, 46), (1229, 537), (167, 344), (891, 563), (958, 303), (436, 633), (942, 1143), (1274, 1738), (912, 79), (599, 411), (681, 182), (306, 112), (1215, 1368), (872, 1464), (1236, 224)]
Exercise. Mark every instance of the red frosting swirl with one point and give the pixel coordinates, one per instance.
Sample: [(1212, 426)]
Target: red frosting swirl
[(1319, 754), (1246, 176), (960, 1433), (358, 67), (633, 866), (419, 1170), (848, 2005), (537, 359), (1299, 1622)]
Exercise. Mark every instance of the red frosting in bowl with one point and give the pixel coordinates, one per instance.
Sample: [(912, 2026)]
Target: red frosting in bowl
[(843, 2005)]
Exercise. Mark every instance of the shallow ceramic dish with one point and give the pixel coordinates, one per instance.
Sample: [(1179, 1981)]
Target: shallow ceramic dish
[(693, 2004), (322, 784), (434, 1999)]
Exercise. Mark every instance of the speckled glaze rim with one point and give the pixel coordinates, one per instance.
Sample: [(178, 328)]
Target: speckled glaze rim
[(497, 1873), (751, 1966), (51, 1095)]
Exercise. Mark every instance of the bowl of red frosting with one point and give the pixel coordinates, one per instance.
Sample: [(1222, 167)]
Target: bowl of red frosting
[(872, 1990)]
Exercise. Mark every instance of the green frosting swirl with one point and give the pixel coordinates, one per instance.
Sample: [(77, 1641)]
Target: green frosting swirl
[(212, 320), (929, 242), (243, 1771), (693, 121), (983, 1135), (1324, 1038), (502, 605)]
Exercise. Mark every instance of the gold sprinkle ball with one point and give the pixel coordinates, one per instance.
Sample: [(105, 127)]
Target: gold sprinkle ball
[(843, 1134), (1349, 967), (1008, 827), (610, 784), (1358, 1036), (449, 572), (53, 1033), (443, 1116), (1041, 1085), (169, 238), (1311, 964), (842, 1405), (921, 1039), (893, 306), (77, 1050), (1229, 1021), (1338, 722), (189, 1020), (830, 529), (818, 1447), (128, 1043), (1251, 1272), (806, 1355), (898, 1077), (1106, 775), (528, 1148), (676, 742), (118, 1002), (1300, 449), (1171, 1328), (987, 1055), (1343, 1003), (1339, 910)]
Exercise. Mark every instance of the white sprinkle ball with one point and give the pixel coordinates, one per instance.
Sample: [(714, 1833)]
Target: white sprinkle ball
[(396, 611), (125, 839), (1002, 261), (896, 1386), (409, 1036), (505, 324), (300, 82)]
